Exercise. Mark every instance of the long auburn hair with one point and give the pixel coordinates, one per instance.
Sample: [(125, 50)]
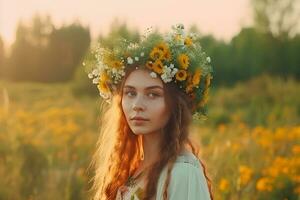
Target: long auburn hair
[(118, 149)]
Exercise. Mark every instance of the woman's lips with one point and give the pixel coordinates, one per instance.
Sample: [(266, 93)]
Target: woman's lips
[(139, 118), (139, 121)]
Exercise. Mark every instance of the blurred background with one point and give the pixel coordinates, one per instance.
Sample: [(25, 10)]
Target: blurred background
[(49, 109)]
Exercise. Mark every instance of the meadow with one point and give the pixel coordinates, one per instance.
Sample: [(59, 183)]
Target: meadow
[(250, 141)]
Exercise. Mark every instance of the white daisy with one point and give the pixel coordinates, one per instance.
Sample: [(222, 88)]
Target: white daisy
[(174, 71), (96, 80), (90, 75), (114, 70), (166, 78), (136, 58), (129, 60), (208, 59), (95, 72), (153, 74)]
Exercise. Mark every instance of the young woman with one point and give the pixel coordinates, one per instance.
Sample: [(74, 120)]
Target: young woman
[(154, 88)]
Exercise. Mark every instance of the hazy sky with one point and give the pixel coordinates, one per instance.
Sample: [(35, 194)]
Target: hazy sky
[(222, 18)]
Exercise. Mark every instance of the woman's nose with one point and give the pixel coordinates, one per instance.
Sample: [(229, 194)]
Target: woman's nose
[(138, 104)]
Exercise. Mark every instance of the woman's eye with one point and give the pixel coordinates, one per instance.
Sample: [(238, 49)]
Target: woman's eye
[(130, 93), (153, 94)]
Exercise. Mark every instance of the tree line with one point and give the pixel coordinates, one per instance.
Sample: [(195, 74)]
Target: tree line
[(41, 52)]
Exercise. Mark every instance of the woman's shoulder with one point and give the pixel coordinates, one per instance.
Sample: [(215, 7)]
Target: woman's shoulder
[(186, 157), (187, 179), (187, 168)]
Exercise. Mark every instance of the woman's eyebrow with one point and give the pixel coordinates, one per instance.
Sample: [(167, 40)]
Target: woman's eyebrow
[(147, 88)]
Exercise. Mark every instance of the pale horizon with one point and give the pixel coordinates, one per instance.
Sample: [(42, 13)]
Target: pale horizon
[(215, 17)]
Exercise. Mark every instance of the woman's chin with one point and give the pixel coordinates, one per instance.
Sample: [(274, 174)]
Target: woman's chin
[(139, 130)]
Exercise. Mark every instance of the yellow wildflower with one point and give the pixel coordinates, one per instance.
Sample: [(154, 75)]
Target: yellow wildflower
[(296, 149), (224, 184), (149, 64), (235, 147), (104, 77), (245, 175), (264, 184), (197, 77), (103, 87), (204, 98), (177, 37), (273, 171), (189, 78), (162, 47), (158, 67), (183, 60), (167, 55), (156, 54), (181, 75), (188, 41), (161, 52), (116, 64), (222, 128)]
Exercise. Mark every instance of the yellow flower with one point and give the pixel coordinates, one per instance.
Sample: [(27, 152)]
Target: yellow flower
[(167, 55), (177, 37), (205, 92), (235, 147), (296, 149), (222, 128), (273, 171), (181, 75), (264, 142), (103, 87), (149, 64), (204, 98), (245, 175), (161, 52), (158, 67), (104, 77), (116, 64), (264, 184), (224, 184), (188, 41), (197, 77), (162, 47), (183, 60), (156, 54)]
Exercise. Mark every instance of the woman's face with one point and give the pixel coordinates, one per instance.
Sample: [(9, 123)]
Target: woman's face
[(143, 102)]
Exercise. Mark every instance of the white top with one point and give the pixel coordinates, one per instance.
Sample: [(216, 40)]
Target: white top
[(187, 182)]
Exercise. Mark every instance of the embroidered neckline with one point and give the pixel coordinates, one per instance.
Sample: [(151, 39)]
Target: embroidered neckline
[(132, 181)]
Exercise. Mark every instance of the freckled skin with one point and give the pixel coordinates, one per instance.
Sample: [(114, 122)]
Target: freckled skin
[(140, 100)]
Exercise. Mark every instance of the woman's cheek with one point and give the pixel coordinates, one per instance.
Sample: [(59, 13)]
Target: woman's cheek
[(126, 107), (159, 114)]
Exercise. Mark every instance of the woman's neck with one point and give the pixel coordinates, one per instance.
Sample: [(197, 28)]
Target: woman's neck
[(151, 148)]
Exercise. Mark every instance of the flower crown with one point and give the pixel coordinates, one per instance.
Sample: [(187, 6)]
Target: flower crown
[(176, 56)]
